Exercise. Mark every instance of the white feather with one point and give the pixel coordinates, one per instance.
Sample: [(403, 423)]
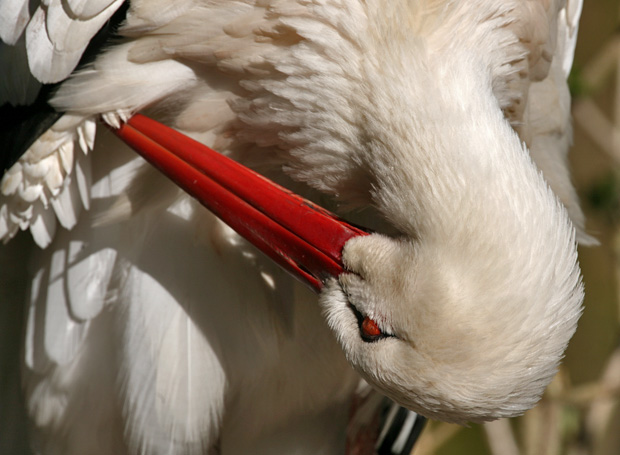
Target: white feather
[(67, 204), (43, 226), (63, 333), (30, 194), (45, 175), (11, 180), (55, 39), (63, 398), (568, 25), (87, 9), (13, 20), (165, 77), (183, 416), (46, 63), (32, 339), (65, 151), (88, 279), (54, 175), (4, 221)]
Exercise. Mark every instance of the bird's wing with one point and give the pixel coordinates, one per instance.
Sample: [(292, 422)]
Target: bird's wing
[(548, 118), (51, 36), (536, 99), (208, 68), (50, 183), (42, 42), (105, 330), (85, 277)]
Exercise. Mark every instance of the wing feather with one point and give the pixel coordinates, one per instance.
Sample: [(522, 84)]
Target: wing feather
[(55, 40), (532, 90), (166, 353), (63, 334), (67, 204), (568, 27), (34, 352), (87, 9), (5, 225), (43, 226), (88, 279), (188, 410), (546, 122), (14, 17), (49, 173)]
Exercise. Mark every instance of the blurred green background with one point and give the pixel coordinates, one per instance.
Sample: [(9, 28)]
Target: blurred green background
[(579, 414)]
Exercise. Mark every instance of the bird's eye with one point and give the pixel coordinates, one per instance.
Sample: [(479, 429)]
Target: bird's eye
[(370, 330)]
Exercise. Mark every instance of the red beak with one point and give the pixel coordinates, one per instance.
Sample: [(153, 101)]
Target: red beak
[(303, 238)]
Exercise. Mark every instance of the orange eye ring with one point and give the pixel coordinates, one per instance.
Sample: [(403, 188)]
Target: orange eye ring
[(370, 330)]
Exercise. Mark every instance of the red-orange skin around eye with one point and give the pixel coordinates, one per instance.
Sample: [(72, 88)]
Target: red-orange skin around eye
[(370, 327)]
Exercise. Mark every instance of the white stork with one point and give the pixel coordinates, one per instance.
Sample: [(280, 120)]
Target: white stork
[(153, 328)]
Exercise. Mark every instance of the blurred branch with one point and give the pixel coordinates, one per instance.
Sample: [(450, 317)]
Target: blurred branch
[(599, 400), (602, 407), (501, 438), (434, 436), (599, 128), (602, 65)]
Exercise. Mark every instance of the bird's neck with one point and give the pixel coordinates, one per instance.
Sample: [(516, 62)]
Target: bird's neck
[(437, 139)]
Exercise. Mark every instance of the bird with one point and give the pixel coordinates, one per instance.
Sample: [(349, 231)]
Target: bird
[(441, 127)]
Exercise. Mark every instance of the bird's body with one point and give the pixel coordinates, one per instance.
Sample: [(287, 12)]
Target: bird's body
[(426, 115)]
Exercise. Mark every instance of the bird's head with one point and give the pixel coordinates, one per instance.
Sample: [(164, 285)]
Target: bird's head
[(465, 313), (441, 336)]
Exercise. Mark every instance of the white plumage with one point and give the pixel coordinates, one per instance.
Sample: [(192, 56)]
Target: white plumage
[(425, 116)]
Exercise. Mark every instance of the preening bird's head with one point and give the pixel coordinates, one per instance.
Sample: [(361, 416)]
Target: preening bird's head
[(465, 314), (456, 333)]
